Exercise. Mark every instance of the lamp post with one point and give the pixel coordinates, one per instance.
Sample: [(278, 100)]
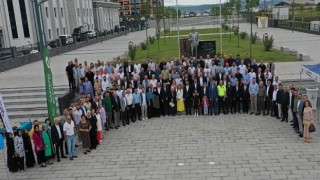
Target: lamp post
[(220, 29), (43, 49), (178, 28)]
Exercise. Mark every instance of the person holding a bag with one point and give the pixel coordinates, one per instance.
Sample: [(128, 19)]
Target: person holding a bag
[(39, 146), (307, 121)]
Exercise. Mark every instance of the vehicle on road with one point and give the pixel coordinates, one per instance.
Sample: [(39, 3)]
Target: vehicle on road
[(66, 39), (92, 34)]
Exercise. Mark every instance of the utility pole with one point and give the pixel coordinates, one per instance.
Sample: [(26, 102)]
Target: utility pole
[(251, 14), (220, 29), (43, 49), (178, 28), (292, 16)]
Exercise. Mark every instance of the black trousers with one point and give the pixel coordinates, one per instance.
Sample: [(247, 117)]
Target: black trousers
[(21, 163), (269, 105), (137, 109), (236, 105), (284, 109), (187, 105), (131, 113), (41, 158), (221, 103), (59, 149), (72, 83), (275, 109), (245, 104)]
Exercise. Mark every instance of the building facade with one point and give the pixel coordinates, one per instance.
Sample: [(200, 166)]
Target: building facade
[(80, 13), (18, 24), (106, 15), (133, 7)]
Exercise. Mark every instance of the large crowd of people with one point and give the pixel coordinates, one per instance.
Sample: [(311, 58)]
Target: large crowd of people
[(117, 94)]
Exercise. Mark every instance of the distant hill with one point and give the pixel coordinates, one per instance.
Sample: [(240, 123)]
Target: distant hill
[(197, 9)]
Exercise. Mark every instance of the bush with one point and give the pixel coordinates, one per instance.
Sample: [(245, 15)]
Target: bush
[(132, 50), (226, 27), (143, 45), (152, 40), (236, 30), (268, 43), (254, 38), (243, 35)]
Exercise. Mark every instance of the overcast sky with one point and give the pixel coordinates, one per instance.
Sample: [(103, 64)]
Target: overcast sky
[(190, 2)]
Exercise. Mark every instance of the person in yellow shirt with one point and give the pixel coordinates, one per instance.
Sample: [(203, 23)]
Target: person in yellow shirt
[(221, 97), (35, 122)]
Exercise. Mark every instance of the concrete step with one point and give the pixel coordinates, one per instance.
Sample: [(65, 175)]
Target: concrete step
[(14, 91), (26, 101), (25, 115), (28, 107), (29, 95)]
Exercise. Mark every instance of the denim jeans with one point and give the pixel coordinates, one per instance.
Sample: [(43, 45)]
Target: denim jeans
[(71, 144)]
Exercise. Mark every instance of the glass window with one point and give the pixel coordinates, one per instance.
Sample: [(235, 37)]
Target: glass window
[(49, 32), (12, 19), (47, 12), (58, 32), (55, 12), (24, 19), (61, 12)]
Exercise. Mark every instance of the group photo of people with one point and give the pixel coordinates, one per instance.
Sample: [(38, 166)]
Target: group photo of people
[(115, 94)]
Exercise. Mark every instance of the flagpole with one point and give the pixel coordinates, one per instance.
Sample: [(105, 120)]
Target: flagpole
[(220, 29), (178, 28)]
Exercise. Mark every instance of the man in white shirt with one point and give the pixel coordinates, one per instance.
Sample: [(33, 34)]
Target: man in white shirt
[(153, 81), (130, 104), (242, 67), (252, 75), (274, 110), (58, 138), (208, 61), (69, 132)]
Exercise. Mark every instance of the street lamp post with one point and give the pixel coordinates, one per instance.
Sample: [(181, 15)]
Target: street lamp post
[(220, 28), (178, 28), (43, 49)]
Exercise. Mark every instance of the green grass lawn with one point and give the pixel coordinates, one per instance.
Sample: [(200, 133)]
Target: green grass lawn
[(169, 48)]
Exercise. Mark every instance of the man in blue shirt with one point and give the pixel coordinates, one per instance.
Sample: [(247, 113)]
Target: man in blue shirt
[(137, 103), (253, 91), (246, 77), (88, 89)]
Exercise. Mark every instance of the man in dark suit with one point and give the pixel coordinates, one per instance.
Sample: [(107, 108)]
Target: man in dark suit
[(260, 76), (149, 72), (280, 94), (57, 137), (213, 97), (164, 96), (195, 85), (237, 92), (219, 76), (115, 102), (246, 97), (187, 96), (269, 104)]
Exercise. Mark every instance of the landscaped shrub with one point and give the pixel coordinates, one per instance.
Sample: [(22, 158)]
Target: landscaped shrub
[(254, 38), (243, 35), (143, 45), (268, 43), (132, 50)]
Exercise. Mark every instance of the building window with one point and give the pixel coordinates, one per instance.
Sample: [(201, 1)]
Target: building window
[(12, 19), (87, 12), (64, 30), (55, 12), (61, 12), (78, 12), (84, 12), (49, 32), (24, 19), (58, 32), (47, 12)]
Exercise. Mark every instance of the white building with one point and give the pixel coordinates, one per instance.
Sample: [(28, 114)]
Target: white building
[(18, 24), (80, 13), (106, 15), (54, 14)]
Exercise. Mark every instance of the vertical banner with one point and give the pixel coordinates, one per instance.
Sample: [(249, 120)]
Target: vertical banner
[(4, 116), (51, 100), (262, 22), (1, 142)]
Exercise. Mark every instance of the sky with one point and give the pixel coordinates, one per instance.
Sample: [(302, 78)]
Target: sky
[(190, 2)]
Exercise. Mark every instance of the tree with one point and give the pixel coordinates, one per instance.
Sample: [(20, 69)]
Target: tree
[(215, 11), (159, 15), (318, 7), (146, 9), (250, 4)]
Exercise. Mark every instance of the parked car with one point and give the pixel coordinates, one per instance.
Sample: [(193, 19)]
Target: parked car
[(80, 33), (92, 34), (66, 39)]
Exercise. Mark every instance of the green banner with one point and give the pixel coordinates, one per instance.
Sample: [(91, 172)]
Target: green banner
[(51, 100)]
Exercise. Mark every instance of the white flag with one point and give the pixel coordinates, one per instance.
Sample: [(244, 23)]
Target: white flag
[(4, 116)]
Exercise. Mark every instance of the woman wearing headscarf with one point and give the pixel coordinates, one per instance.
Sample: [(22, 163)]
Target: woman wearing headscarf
[(93, 130), (19, 149), (47, 141), (84, 129), (30, 161), (39, 146), (12, 161)]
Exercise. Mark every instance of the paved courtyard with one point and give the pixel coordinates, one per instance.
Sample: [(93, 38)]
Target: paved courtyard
[(219, 147)]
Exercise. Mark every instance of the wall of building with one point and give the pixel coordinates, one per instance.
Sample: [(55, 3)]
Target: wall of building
[(106, 15)]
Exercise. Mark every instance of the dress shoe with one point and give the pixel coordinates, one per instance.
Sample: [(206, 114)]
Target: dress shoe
[(300, 135), (75, 157), (282, 120), (251, 113), (267, 114), (76, 145), (71, 158), (124, 125), (58, 160), (111, 128), (116, 127)]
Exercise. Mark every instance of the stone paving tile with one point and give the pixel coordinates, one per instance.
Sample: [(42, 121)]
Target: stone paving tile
[(241, 147)]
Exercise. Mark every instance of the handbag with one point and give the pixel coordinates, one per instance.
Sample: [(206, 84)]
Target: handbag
[(312, 128)]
